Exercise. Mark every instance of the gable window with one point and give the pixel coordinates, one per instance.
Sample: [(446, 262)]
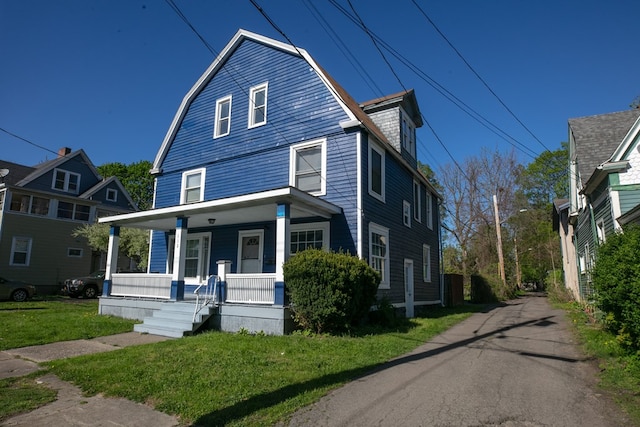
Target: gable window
[(112, 195), (429, 208), (66, 181), (20, 251), (74, 252), (223, 117), (258, 105), (417, 202), (308, 167), (376, 172), (192, 186), (379, 252), (313, 235), (406, 213), (426, 263)]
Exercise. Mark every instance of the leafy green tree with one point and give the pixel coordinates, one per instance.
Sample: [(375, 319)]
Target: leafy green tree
[(546, 178), (134, 242), (136, 179)]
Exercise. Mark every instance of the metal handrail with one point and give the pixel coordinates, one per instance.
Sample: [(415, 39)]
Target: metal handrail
[(209, 296)]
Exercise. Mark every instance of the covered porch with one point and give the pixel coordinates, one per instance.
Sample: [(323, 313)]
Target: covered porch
[(135, 295)]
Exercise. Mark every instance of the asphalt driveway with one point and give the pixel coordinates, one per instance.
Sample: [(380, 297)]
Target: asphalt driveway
[(514, 365)]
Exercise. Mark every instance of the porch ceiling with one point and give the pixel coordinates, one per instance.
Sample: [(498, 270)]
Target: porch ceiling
[(247, 208)]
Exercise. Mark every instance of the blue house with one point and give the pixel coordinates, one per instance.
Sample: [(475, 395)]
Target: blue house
[(267, 156), (42, 205)]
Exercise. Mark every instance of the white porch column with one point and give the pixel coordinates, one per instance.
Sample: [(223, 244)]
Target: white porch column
[(112, 259), (283, 221), (224, 268), (179, 253)]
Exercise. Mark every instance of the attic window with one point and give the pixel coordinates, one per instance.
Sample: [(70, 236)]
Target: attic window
[(112, 195), (258, 105), (223, 117), (66, 181)]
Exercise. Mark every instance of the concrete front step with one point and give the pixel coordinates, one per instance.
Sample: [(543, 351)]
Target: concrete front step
[(174, 320)]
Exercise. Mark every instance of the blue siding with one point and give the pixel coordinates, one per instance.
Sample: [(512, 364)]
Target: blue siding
[(74, 164), (121, 201)]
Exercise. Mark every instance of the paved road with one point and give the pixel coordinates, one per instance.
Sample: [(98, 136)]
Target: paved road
[(515, 365)]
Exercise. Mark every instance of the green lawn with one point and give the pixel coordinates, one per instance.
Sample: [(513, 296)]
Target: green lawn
[(239, 379), (58, 319)]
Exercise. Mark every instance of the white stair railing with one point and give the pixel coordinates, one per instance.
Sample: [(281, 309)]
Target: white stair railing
[(205, 294)]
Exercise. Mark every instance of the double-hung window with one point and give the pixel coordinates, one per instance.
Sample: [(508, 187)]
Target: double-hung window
[(417, 202), (429, 208), (308, 167), (379, 252), (223, 117), (376, 172), (66, 181), (192, 186), (258, 105), (406, 213), (20, 251), (426, 263)]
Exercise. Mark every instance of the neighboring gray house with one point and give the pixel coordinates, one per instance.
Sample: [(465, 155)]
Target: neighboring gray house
[(41, 206), (604, 190)]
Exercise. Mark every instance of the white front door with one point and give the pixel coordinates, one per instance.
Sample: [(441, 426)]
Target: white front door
[(250, 248), (408, 286)]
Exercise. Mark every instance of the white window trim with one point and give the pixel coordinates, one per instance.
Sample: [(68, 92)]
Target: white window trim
[(381, 152), (183, 189), (192, 236), (406, 213), (252, 93), (114, 195), (216, 125), (378, 229), (13, 251), (67, 175), (417, 201), (426, 263), (323, 173), (324, 226), (70, 255)]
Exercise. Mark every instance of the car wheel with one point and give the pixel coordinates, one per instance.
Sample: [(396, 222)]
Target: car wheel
[(19, 295), (90, 292)]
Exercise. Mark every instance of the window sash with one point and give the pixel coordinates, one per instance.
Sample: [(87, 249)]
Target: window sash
[(379, 252), (20, 251), (376, 174), (66, 181), (417, 202), (406, 213), (223, 117), (308, 167), (426, 263), (112, 195), (258, 106), (193, 186)]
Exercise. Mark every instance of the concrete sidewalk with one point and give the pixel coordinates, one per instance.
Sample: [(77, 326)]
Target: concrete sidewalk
[(72, 408)]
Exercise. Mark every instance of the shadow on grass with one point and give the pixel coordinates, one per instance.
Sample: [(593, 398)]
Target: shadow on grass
[(262, 401)]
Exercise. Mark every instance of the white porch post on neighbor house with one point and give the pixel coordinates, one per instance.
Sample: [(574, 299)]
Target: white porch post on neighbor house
[(179, 253), (283, 221), (112, 259)]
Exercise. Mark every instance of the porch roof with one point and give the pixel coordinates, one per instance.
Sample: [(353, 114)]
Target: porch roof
[(246, 208)]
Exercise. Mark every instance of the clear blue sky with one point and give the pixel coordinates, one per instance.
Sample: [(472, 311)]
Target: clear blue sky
[(108, 76)]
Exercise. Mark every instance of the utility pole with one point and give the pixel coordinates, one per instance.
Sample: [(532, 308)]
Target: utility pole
[(499, 244)]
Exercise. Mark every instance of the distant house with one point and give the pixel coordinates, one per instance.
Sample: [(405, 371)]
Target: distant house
[(267, 156), (40, 206), (604, 190)]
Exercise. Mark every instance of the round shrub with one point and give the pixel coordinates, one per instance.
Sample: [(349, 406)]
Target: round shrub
[(616, 280), (328, 291)]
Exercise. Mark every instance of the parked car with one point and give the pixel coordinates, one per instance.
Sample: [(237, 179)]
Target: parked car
[(15, 290), (88, 287)]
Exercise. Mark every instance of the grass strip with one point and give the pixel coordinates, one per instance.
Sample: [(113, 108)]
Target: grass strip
[(23, 394), (42, 322), (240, 379)]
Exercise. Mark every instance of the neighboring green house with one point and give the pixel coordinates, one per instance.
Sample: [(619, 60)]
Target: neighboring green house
[(41, 206), (604, 192)]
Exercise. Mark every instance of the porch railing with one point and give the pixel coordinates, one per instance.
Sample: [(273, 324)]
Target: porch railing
[(141, 285), (205, 294), (250, 288)]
